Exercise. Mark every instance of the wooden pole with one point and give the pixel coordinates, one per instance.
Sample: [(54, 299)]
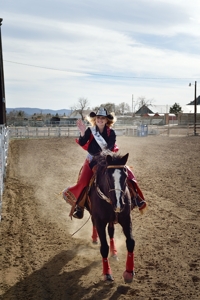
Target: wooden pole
[(2, 86), (195, 108)]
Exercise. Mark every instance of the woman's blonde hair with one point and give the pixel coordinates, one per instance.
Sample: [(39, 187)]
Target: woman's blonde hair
[(110, 122)]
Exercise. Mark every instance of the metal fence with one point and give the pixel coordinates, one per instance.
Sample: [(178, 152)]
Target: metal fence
[(47, 132), (167, 130), (4, 141), (141, 130), (42, 132)]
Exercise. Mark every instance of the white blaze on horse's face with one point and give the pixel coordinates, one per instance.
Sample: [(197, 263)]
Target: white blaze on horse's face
[(117, 186)]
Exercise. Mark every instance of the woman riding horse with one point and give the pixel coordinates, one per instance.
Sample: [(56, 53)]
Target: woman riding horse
[(94, 139)]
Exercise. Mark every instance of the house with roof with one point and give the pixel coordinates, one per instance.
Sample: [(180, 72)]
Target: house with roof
[(153, 109), (155, 115), (193, 102), (164, 109)]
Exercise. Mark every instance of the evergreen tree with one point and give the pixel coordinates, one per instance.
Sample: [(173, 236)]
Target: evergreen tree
[(175, 109)]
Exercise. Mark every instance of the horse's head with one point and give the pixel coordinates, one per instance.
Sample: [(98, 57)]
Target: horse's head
[(111, 180)]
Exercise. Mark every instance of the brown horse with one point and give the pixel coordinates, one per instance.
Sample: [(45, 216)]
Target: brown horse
[(110, 203)]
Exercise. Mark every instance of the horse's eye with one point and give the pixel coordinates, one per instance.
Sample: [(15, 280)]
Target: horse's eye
[(107, 173)]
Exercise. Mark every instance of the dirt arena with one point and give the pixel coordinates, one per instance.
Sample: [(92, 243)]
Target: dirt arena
[(39, 259)]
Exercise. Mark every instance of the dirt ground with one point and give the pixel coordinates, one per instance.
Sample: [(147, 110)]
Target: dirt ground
[(39, 257)]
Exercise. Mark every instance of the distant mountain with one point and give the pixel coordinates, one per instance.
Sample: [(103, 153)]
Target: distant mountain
[(31, 111)]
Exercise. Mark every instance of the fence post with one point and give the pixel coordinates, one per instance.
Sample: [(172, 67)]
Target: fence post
[(4, 141), (1, 172)]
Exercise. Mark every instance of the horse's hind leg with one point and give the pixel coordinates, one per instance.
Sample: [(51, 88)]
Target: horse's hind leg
[(104, 249), (94, 233), (113, 250)]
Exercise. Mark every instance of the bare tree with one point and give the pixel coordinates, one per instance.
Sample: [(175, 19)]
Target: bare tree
[(82, 104), (117, 109), (110, 107), (141, 101), (123, 108), (11, 117)]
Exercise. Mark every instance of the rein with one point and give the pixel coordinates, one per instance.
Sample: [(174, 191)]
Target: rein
[(101, 194), (81, 226)]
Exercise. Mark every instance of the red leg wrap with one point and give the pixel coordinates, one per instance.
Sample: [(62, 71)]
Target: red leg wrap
[(94, 234), (106, 266), (113, 249), (130, 262)]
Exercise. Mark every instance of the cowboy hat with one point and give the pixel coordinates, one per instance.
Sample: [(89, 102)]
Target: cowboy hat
[(101, 112)]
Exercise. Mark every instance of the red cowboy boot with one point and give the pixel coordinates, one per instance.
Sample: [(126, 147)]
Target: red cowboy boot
[(137, 198)]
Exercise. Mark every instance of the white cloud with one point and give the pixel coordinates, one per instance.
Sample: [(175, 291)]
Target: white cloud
[(100, 50)]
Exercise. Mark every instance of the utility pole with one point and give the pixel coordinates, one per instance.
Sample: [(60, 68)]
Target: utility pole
[(132, 104), (2, 86), (195, 108)]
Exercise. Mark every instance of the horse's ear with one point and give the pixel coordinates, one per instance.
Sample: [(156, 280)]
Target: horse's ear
[(109, 159), (124, 159)]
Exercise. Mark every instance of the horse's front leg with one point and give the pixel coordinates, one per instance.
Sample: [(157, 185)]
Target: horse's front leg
[(113, 249), (104, 249), (130, 244)]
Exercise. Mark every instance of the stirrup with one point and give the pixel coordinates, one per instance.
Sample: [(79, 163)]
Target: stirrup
[(139, 202), (78, 212)]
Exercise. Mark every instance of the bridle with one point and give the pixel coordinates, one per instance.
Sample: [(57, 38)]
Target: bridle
[(101, 194)]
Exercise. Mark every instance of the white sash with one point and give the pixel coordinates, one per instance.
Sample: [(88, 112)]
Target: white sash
[(99, 139)]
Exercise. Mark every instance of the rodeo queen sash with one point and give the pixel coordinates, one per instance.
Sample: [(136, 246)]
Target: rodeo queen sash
[(99, 139), (96, 135)]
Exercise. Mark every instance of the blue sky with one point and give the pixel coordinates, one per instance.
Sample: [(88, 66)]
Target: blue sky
[(57, 51)]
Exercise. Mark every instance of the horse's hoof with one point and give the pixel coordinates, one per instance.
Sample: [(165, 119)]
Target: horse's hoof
[(95, 242), (108, 277), (128, 276), (114, 256)]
